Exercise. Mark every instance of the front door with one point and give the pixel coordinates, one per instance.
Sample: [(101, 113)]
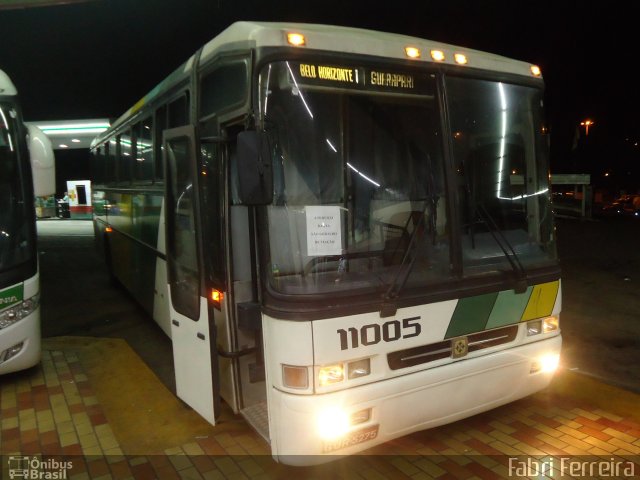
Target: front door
[(192, 335)]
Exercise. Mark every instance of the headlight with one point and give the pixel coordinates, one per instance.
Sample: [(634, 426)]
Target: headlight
[(544, 325), (359, 368), (336, 373), (534, 327), (550, 324), (19, 311), (330, 374)]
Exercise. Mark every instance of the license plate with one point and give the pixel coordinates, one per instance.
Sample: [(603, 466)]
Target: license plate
[(352, 438)]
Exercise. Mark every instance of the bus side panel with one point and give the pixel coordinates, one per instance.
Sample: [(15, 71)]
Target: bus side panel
[(132, 245)]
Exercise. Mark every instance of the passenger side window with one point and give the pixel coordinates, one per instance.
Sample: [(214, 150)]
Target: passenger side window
[(223, 88)]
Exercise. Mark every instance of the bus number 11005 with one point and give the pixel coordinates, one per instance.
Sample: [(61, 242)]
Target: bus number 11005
[(373, 333)]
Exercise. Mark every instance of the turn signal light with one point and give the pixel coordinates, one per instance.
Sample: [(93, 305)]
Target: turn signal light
[(295, 377), (217, 296), (108, 229)]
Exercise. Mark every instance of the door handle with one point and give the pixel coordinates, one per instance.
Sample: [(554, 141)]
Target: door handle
[(176, 323), (201, 336)]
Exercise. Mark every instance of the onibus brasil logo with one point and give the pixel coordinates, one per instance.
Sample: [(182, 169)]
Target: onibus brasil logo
[(38, 469)]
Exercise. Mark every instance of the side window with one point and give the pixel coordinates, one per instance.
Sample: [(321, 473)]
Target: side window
[(143, 164), (179, 112), (181, 232), (223, 88), (110, 156), (213, 191), (124, 158), (98, 165), (159, 126)]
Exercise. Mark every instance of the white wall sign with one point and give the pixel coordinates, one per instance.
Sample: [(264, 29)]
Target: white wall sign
[(324, 231)]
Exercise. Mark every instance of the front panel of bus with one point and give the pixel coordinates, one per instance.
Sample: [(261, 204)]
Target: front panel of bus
[(408, 260), (19, 288)]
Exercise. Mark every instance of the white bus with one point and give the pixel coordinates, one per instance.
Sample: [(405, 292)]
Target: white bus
[(21, 148), (347, 234)]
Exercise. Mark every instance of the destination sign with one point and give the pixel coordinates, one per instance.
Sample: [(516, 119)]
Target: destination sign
[(324, 72), (363, 78)]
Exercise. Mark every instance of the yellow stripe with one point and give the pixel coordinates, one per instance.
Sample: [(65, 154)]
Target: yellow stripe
[(138, 105), (542, 301)]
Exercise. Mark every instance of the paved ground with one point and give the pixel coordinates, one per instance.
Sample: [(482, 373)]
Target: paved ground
[(601, 298), (68, 408), (106, 404)]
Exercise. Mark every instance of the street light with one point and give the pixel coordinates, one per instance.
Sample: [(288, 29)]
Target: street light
[(586, 124)]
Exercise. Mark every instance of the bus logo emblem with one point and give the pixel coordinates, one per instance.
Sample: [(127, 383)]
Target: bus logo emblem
[(459, 347)]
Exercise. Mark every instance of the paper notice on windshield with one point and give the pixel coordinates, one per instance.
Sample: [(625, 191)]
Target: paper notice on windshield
[(324, 231)]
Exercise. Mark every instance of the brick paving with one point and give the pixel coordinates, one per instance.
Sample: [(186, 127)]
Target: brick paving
[(52, 411)]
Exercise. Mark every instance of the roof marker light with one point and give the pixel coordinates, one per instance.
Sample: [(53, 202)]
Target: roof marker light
[(437, 55), (296, 39), (461, 59), (412, 52), (535, 70)]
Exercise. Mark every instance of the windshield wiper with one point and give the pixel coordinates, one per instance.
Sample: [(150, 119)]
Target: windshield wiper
[(510, 254), (389, 306)]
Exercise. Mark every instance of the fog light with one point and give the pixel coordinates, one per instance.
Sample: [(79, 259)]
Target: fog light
[(295, 377), (546, 364), (360, 416), (332, 423), (11, 352), (330, 374)]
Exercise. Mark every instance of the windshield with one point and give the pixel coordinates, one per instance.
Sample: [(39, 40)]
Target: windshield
[(15, 244), (359, 179), (358, 170), (499, 147)]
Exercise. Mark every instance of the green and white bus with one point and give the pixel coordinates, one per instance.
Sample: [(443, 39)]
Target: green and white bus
[(347, 234), (26, 161)]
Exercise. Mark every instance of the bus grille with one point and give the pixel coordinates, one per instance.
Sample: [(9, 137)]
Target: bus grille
[(436, 351)]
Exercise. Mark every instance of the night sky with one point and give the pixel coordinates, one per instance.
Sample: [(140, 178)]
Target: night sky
[(96, 59)]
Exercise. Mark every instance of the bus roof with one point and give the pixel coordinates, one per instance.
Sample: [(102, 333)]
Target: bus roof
[(357, 41), (331, 38), (6, 86)]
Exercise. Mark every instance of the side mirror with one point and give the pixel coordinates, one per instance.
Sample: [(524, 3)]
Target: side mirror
[(255, 174), (42, 162)]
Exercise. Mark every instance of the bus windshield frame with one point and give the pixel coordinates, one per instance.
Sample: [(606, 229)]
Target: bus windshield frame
[(367, 170)]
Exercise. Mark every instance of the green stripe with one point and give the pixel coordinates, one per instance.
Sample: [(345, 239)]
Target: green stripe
[(11, 296), (471, 315), (508, 308)]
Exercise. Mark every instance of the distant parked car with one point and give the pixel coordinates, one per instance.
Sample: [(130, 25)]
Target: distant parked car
[(626, 205)]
